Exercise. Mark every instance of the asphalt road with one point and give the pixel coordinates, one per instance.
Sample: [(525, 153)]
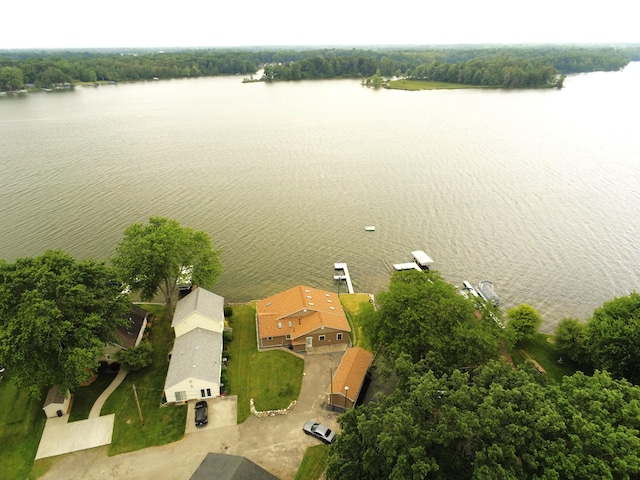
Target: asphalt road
[(275, 443)]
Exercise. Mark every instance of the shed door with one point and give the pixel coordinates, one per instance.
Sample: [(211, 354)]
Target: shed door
[(309, 342)]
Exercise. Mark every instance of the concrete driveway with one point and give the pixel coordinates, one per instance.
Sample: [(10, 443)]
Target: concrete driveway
[(276, 443)]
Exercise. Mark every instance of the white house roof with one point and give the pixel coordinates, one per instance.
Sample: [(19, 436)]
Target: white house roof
[(196, 354), (204, 302)]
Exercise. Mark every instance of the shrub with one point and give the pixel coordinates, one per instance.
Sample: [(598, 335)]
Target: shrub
[(137, 357), (228, 311)]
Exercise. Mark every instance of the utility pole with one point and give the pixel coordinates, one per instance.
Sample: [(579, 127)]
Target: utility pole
[(135, 394), (331, 379)]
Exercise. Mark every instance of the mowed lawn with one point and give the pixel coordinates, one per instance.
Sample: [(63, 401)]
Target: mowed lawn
[(273, 379), (354, 304), (161, 424), (21, 424)]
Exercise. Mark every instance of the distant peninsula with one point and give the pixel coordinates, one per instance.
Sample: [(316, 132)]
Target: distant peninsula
[(529, 66)]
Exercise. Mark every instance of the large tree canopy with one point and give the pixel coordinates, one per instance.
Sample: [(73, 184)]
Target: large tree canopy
[(425, 317), (613, 337), (55, 315), (150, 257), (497, 422)]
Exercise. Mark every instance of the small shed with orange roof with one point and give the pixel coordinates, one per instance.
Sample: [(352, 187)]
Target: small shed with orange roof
[(349, 378)]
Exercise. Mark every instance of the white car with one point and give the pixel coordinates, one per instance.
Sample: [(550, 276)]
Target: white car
[(319, 431)]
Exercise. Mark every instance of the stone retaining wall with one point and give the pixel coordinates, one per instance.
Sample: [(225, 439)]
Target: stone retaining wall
[(270, 413)]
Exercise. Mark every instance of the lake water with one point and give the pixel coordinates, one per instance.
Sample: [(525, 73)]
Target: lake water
[(538, 190)]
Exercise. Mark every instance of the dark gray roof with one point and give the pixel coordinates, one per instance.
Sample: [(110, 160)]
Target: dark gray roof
[(202, 301), (230, 467), (128, 334), (196, 354), (54, 395)]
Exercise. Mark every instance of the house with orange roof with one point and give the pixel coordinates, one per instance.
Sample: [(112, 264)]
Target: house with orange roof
[(349, 378), (302, 319)]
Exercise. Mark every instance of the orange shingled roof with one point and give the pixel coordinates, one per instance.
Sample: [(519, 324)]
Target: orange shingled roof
[(298, 311), (351, 372)]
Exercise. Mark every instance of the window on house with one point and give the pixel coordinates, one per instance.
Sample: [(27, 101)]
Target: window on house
[(202, 393), (288, 337), (321, 338), (269, 338), (339, 336), (181, 396), (208, 392)]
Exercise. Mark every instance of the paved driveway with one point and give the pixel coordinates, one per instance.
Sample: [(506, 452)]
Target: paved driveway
[(60, 437), (276, 443)]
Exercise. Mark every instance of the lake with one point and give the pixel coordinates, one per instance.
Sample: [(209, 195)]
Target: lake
[(536, 190)]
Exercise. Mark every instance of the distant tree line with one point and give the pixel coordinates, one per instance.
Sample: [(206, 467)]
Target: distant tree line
[(496, 66)]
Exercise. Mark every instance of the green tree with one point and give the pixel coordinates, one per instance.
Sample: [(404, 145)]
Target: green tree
[(151, 256), (524, 321), (613, 336), (570, 337), (137, 357), (55, 315), (11, 78), (494, 422), (424, 317)]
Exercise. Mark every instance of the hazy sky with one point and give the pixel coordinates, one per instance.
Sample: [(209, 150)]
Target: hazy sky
[(187, 23)]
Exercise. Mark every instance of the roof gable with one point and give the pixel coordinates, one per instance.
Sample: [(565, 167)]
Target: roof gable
[(200, 300)]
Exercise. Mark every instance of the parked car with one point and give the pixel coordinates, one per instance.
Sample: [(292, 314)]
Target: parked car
[(319, 431), (202, 413)]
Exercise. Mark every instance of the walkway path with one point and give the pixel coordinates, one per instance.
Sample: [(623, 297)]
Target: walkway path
[(97, 406)]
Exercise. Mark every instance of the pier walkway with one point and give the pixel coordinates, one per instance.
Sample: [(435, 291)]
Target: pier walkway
[(345, 275)]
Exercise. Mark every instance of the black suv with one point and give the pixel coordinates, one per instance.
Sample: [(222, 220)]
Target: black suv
[(201, 413)]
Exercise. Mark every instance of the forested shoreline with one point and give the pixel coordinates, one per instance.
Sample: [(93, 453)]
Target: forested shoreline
[(498, 66)]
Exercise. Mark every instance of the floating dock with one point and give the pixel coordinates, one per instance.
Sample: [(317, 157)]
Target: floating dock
[(344, 276), (406, 266)]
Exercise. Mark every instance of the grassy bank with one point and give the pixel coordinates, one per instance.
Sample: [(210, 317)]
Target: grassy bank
[(404, 84), (21, 424), (273, 379), (353, 304), (161, 424), (542, 349)]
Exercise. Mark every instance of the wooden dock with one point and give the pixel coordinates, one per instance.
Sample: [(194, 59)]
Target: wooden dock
[(342, 267)]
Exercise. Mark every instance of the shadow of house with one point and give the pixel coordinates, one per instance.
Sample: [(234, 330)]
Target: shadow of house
[(302, 319), (230, 467), (127, 336)]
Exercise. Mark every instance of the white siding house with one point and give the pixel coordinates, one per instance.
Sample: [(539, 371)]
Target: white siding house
[(196, 360)]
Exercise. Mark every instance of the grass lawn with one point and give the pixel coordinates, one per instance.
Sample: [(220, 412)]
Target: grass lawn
[(21, 424), (425, 85), (161, 424), (273, 379), (85, 397), (353, 304), (543, 351), (314, 463)]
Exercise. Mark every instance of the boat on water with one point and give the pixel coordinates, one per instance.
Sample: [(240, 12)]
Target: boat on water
[(370, 228), (485, 289)]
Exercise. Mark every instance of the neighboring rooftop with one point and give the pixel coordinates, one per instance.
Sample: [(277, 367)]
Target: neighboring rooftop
[(351, 373), (128, 334), (230, 467)]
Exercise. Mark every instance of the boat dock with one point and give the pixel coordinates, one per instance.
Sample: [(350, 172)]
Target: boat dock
[(344, 276)]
